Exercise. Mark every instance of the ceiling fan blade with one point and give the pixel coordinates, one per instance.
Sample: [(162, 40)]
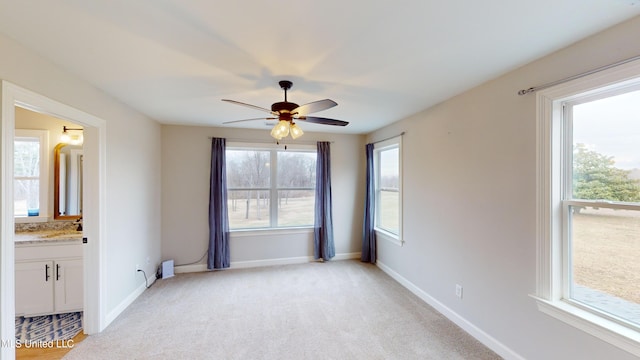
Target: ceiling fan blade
[(254, 119), (249, 105), (323, 121), (315, 106)]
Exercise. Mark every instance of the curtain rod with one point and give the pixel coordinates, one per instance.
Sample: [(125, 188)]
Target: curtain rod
[(272, 141), (390, 137), (602, 68)]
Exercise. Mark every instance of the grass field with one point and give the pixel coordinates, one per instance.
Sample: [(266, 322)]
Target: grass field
[(606, 251), (294, 211)]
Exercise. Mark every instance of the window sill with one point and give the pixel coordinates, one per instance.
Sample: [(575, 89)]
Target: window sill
[(30, 219), (604, 329), (392, 238), (271, 232)]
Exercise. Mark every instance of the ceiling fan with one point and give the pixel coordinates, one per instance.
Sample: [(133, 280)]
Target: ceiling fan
[(287, 112)]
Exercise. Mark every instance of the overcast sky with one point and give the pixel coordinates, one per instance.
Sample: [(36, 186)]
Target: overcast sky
[(611, 127)]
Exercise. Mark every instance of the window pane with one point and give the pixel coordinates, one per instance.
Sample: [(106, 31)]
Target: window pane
[(26, 155), (389, 169), (388, 190), (296, 207), (247, 169), (248, 209), (389, 211), (250, 174), (604, 260), (296, 169), (26, 197), (606, 143)]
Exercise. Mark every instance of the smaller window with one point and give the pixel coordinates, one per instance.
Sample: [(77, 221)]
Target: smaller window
[(30, 169), (388, 180)]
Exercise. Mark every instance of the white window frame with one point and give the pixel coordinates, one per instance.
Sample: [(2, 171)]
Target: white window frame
[(552, 252), (273, 185), (395, 142), (43, 138)]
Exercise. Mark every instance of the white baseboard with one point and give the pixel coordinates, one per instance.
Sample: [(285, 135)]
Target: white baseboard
[(467, 326), (183, 269), (265, 262), (347, 256), (113, 314), (270, 262)]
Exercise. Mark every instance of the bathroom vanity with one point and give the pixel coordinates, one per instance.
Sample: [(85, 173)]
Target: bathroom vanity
[(49, 272)]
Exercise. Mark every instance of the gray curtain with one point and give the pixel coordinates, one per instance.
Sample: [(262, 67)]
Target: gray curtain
[(368, 233), (323, 228), (218, 218)]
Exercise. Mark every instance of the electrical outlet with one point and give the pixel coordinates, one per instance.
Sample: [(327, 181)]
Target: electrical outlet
[(459, 291), (137, 267)]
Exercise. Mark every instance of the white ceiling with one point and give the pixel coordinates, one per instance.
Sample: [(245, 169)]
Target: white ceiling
[(380, 60)]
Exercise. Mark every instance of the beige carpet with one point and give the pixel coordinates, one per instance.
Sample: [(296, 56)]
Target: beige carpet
[(331, 310)]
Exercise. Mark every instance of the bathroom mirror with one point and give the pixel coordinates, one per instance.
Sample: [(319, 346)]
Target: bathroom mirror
[(67, 186)]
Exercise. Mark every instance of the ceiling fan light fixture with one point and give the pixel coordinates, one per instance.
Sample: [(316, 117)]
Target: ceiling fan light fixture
[(296, 131), (281, 129), (65, 137), (275, 134), (73, 139)]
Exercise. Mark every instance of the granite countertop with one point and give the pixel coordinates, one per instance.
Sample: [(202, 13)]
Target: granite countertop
[(47, 236)]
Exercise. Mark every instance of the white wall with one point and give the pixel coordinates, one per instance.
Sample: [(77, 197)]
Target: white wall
[(186, 156), (470, 202), (132, 174)]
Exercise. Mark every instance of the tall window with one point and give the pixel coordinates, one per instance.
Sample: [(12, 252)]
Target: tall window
[(270, 187), (388, 188), (602, 203), (589, 219), (30, 173)]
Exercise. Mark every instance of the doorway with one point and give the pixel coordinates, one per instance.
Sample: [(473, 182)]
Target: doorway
[(94, 214)]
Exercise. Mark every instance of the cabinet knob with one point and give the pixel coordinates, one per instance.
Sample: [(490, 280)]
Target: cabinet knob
[(46, 272), (57, 272)]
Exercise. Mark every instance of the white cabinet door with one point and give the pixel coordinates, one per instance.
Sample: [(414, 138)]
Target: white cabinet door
[(34, 286), (68, 285)]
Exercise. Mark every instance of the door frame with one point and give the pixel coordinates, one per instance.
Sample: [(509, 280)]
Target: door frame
[(94, 216)]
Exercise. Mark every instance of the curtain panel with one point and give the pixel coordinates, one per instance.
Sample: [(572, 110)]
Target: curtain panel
[(368, 233), (324, 247), (218, 255)]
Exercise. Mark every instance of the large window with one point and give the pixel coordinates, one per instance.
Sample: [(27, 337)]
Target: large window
[(30, 173), (589, 196), (270, 187), (388, 200)]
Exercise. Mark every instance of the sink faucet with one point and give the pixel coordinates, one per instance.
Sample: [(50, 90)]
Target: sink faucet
[(79, 222)]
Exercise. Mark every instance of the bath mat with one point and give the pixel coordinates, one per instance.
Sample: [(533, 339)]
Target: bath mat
[(48, 327)]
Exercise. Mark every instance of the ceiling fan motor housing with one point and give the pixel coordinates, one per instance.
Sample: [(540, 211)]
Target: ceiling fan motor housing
[(284, 108)]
